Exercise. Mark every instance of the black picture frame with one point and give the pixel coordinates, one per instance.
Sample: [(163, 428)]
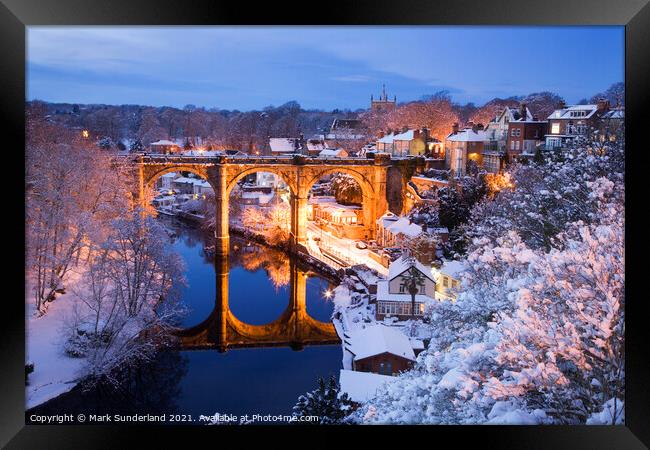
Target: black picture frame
[(634, 15)]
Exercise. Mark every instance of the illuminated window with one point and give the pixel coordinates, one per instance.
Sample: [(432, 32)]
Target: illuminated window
[(555, 128)]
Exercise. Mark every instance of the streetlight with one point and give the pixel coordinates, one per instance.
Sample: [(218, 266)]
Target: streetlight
[(328, 294)]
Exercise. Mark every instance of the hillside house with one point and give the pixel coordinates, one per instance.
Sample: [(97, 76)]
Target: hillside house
[(393, 298)]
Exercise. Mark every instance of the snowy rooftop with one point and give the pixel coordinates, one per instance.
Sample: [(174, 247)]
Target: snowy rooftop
[(339, 152), (362, 386), (403, 263), (202, 183), (327, 206), (186, 180), (285, 145), (614, 114), (468, 135), (387, 139), (514, 114), (164, 142), (314, 145), (323, 199), (377, 339), (452, 268), (406, 136), (565, 113), (402, 226)]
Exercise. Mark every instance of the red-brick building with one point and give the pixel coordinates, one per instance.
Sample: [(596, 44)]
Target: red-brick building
[(568, 122), (524, 136)]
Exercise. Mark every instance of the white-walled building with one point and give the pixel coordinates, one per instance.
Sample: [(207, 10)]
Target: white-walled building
[(392, 228), (448, 279), (393, 297)]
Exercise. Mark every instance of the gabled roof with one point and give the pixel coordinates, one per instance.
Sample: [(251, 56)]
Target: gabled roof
[(452, 268), (618, 113), (468, 135), (283, 145), (565, 113), (404, 263), (387, 139), (345, 124), (377, 339)]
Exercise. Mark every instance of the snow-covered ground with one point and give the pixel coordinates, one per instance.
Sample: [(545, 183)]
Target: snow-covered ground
[(54, 372)]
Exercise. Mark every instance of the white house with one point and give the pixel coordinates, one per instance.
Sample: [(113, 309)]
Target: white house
[(496, 131), (391, 228), (202, 188), (165, 181), (183, 185), (448, 279), (393, 297)]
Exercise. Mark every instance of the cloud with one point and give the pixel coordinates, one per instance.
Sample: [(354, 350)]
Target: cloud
[(353, 78)]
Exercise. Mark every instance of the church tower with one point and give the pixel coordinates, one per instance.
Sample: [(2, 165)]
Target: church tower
[(383, 104)]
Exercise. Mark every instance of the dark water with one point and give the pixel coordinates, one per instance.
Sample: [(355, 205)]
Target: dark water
[(239, 381)]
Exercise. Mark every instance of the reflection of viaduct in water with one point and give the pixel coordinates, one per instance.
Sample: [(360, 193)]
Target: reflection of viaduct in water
[(294, 328)]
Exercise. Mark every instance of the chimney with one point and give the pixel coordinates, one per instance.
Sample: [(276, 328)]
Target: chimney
[(380, 134), (603, 105), (405, 129), (478, 127), (454, 128), (425, 134), (561, 104), (522, 111)]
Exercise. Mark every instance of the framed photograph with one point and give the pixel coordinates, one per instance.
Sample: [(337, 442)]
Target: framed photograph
[(378, 216)]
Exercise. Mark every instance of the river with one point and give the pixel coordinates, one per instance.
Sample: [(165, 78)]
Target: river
[(248, 369)]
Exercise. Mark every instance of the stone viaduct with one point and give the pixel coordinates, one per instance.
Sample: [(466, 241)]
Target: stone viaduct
[(383, 182)]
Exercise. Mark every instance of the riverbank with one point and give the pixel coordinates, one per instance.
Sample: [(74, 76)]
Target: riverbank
[(54, 372)]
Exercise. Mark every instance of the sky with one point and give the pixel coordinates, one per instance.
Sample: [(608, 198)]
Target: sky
[(247, 68)]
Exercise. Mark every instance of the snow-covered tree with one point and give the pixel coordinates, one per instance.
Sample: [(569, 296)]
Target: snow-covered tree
[(346, 190), (536, 335), (325, 402), (71, 193), (105, 143), (129, 298), (550, 195), (136, 146)]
